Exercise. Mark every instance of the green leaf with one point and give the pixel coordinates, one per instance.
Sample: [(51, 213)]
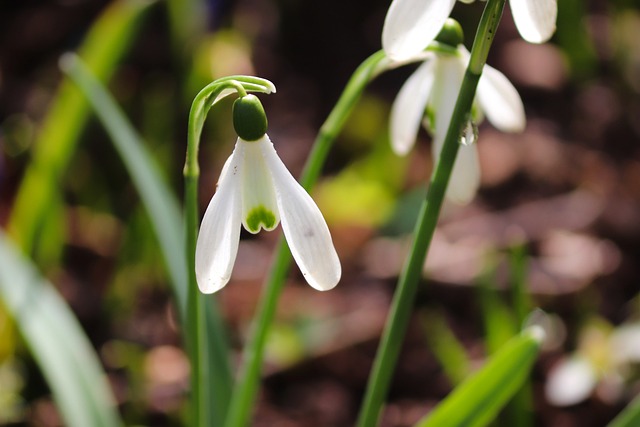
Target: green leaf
[(104, 46), (156, 195), (57, 342), (630, 417), (163, 209), (477, 401), (447, 349)]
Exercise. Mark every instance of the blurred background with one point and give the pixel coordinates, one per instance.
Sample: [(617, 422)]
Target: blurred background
[(558, 210)]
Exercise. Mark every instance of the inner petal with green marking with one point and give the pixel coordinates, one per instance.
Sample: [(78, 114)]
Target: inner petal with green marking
[(260, 216)]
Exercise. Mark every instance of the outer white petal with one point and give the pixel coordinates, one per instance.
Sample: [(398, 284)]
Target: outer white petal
[(571, 381), (465, 177), (625, 343), (258, 193), (410, 25), (500, 101), (219, 234), (408, 108), (535, 19), (304, 227)]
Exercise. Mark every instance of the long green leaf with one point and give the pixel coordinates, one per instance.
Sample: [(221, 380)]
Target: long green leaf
[(162, 207), (104, 46), (477, 401), (630, 417), (57, 342)]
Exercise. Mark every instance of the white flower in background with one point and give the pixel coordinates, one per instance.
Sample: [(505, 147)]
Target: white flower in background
[(411, 25), (601, 362), (431, 92), (256, 190)]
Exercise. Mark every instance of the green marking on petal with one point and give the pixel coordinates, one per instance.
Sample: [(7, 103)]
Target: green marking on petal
[(260, 215)]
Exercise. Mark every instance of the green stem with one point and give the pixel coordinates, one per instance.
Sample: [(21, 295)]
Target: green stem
[(402, 304), (207, 352), (244, 395)]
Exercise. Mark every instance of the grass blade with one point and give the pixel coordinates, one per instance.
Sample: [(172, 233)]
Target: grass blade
[(162, 207), (105, 44), (57, 342), (447, 349), (477, 401), (629, 417)]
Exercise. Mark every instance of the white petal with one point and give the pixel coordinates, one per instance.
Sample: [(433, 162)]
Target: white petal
[(500, 101), (571, 381), (410, 25), (625, 343), (465, 177), (219, 234), (259, 207), (408, 108), (535, 19), (448, 72), (304, 227)]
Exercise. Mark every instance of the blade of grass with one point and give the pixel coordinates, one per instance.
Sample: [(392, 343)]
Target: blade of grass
[(167, 221), (102, 49), (519, 412), (445, 346), (501, 323), (629, 417), (498, 322), (477, 401), (57, 342)]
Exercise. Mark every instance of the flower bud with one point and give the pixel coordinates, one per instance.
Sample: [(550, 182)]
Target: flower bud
[(249, 118), (451, 33)]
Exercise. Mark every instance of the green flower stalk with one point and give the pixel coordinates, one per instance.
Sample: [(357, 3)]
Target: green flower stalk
[(404, 297), (203, 384)]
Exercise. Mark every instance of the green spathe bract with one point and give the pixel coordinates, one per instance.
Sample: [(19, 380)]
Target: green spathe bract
[(260, 215), (451, 33), (249, 118)]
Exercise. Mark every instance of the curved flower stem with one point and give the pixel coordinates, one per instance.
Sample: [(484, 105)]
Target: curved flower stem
[(244, 395), (404, 297), (208, 351)]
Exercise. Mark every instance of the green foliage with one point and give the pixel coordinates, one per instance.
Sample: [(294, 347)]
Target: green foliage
[(477, 401), (31, 223), (57, 342), (445, 346), (630, 417), (165, 216)]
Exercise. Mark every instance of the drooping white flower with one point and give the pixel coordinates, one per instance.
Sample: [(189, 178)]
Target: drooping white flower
[(256, 190), (601, 362), (433, 88), (411, 25)]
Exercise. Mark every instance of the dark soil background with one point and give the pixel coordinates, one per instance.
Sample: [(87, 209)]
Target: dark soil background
[(567, 190)]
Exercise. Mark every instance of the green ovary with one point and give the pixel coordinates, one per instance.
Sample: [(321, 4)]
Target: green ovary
[(260, 215)]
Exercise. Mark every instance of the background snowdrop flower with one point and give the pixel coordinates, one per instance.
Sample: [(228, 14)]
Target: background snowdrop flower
[(602, 361), (411, 25), (256, 190), (434, 88)]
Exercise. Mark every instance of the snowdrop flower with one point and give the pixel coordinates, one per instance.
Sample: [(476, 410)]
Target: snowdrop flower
[(602, 361), (411, 25), (434, 88), (256, 190)]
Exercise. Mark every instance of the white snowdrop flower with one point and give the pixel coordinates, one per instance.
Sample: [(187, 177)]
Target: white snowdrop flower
[(601, 362), (431, 92), (571, 381), (256, 190), (411, 25)]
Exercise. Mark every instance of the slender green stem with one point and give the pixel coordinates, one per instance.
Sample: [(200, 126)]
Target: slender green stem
[(208, 403), (404, 297), (244, 395)]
